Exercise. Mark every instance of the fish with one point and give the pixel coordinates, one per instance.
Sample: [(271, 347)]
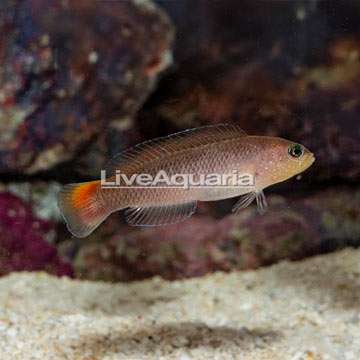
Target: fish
[(201, 152)]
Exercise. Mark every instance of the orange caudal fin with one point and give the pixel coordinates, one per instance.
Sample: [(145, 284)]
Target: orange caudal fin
[(80, 208)]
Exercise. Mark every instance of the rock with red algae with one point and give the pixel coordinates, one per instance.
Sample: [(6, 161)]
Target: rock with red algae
[(25, 240), (291, 229), (68, 68)]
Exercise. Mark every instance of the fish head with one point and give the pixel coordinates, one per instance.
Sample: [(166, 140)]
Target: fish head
[(282, 160)]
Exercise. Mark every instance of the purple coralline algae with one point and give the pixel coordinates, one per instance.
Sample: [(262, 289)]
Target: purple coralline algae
[(25, 240)]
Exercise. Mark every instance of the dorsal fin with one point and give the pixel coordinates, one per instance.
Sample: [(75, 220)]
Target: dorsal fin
[(128, 160)]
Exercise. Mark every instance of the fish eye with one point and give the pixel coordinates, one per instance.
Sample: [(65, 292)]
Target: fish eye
[(296, 151)]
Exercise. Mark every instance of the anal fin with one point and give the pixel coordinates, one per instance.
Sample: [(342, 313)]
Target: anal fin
[(160, 215)]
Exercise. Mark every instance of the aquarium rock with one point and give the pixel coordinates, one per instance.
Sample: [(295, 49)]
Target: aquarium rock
[(296, 76), (70, 67), (293, 228)]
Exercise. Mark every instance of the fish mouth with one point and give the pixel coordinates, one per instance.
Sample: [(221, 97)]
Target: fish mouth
[(312, 158), (308, 161)]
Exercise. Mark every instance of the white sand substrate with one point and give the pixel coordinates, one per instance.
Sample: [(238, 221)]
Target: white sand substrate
[(293, 311)]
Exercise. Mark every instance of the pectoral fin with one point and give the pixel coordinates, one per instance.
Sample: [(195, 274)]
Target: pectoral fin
[(261, 202)]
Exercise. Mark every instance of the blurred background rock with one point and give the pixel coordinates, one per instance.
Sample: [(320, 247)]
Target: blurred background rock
[(80, 81)]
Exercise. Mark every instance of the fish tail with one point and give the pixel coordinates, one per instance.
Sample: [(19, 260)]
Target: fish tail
[(80, 207)]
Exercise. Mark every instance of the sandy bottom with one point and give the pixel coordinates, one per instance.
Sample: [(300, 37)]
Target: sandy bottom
[(306, 310)]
